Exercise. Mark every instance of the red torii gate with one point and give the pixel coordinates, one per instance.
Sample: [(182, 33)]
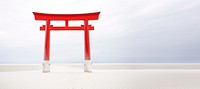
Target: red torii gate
[(66, 17)]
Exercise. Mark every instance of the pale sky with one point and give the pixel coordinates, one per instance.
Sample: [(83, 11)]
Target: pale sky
[(128, 31)]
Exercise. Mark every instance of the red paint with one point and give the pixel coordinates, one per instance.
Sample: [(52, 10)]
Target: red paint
[(47, 41), (87, 41), (66, 17)]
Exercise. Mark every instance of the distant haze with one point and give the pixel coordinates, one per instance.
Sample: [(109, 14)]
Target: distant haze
[(128, 31)]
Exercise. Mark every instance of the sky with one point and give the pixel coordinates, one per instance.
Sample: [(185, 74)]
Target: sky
[(128, 31)]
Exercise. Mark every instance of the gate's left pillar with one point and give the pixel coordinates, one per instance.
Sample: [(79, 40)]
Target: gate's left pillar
[(46, 64)]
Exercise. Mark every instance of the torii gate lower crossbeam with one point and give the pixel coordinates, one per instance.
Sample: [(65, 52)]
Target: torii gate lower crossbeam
[(47, 28)]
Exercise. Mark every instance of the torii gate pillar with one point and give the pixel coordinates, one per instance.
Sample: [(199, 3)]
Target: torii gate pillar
[(87, 61), (66, 17)]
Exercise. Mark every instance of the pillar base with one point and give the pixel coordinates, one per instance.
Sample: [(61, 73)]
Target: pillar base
[(87, 66), (46, 66)]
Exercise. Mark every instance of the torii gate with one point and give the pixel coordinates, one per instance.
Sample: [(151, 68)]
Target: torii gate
[(66, 17)]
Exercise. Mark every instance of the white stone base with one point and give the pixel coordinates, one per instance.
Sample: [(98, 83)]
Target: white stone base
[(46, 66), (87, 66)]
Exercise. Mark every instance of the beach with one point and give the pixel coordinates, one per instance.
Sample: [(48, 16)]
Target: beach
[(103, 76)]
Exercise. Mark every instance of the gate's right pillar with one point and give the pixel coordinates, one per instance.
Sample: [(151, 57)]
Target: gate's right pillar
[(87, 61)]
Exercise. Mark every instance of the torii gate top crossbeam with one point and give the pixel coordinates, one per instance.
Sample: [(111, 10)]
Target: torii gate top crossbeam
[(66, 17), (85, 16)]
